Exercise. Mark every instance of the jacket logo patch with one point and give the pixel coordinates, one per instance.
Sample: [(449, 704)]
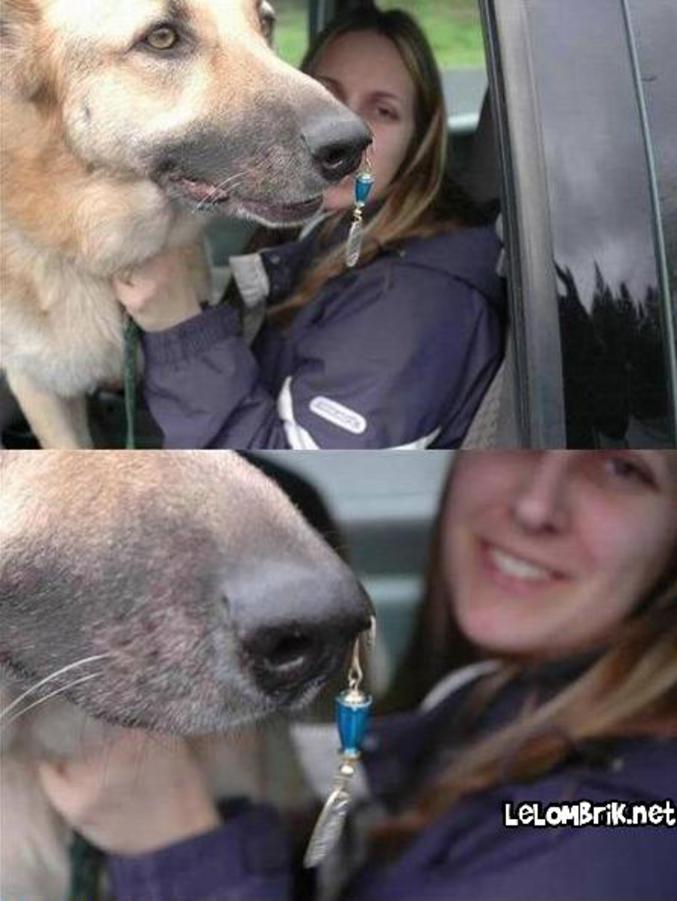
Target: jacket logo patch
[(336, 413)]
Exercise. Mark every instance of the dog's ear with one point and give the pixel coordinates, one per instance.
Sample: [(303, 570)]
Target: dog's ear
[(20, 70)]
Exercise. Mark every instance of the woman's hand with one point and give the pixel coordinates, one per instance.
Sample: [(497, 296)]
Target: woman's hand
[(136, 793), (161, 293)]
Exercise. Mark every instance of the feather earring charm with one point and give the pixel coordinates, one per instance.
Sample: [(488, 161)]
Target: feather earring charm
[(352, 707), (363, 185)]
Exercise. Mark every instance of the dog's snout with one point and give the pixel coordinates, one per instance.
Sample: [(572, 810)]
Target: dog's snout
[(336, 143), (286, 657), (335, 162), (297, 630)]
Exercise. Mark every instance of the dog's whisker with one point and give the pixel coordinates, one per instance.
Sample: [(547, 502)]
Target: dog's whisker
[(211, 193), (63, 669), (52, 694), (231, 181), (230, 178)]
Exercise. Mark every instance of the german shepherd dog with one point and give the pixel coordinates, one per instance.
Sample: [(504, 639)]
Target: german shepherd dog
[(179, 592), (124, 123)]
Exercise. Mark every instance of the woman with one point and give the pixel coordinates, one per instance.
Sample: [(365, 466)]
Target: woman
[(394, 353), (557, 571)]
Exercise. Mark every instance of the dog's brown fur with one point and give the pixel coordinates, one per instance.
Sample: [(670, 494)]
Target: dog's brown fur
[(91, 123)]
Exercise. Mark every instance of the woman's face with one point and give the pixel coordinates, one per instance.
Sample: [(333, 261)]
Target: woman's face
[(546, 552), (365, 71)]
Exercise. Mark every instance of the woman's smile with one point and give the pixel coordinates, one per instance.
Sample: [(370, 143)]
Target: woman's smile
[(513, 571), (547, 552)]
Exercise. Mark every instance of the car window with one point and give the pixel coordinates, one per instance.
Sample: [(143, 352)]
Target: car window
[(452, 27), (291, 29), (455, 33), (602, 220)]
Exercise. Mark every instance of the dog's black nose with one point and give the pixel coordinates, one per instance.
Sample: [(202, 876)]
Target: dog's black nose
[(285, 658), (336, 141), (296, 628)]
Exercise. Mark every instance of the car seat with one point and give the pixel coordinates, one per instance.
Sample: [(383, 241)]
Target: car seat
[(495, 423)]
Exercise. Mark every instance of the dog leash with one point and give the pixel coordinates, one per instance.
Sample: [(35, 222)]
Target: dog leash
[(86, 863), (131, 334)]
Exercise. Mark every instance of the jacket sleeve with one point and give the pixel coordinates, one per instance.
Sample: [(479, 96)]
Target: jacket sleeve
[(204, 388), (246, 859), (398, 360), (390, 361)]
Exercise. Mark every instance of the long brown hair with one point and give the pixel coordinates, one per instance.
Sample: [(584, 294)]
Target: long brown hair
[(422, 199), (629, 689)]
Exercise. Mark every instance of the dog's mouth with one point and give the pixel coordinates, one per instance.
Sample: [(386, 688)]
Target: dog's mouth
[(277, 214), (203, 195)]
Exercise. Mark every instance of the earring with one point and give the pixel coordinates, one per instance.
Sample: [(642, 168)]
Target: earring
[(364, 182), (353, 707)]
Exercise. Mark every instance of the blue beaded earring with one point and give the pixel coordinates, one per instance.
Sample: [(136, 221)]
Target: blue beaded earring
[(352, 708), (364, 182)]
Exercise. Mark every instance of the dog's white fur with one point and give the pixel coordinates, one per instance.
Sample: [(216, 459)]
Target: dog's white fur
[(34, 862)]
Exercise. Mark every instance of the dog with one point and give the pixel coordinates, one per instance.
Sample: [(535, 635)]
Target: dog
[(177, 592), (124, 124)]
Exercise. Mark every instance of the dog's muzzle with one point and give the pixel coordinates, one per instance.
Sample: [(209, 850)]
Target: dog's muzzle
[(294, 633), (273, 168), (336, 143)]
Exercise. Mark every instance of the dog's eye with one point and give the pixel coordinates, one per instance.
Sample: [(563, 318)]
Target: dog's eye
[(267, 18), (164, 37)]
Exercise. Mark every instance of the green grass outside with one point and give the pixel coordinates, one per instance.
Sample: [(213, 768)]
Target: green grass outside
[(452, 27), (291, 31)]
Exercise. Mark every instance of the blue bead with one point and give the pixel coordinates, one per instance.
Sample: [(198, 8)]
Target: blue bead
[(363, 185), (351, 719)]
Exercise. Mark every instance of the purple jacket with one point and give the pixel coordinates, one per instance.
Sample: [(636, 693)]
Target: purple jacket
[(395, 354), (466, 854)]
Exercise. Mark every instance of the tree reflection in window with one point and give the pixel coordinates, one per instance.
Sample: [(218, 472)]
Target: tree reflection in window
[(614, 366)]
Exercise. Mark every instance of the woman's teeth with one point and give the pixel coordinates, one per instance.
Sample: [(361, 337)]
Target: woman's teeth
[(518, 568)]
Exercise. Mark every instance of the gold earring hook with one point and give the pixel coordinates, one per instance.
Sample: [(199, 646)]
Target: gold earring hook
[(355, 673)]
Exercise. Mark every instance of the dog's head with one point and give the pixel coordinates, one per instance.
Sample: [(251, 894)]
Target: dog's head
[(186, 93), (177, 591)]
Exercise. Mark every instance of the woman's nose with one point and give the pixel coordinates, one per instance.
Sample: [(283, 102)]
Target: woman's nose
[(540, 500)]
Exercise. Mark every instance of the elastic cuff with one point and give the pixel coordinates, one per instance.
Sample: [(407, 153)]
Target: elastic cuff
[(251, 278), (190, 338)]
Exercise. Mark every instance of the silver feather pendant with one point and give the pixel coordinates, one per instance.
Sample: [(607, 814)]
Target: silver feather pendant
[(354, 243), (328, 828), (363, 186), (352, 708)]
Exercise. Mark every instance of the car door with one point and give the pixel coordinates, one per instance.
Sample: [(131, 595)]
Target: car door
[(582, 99)]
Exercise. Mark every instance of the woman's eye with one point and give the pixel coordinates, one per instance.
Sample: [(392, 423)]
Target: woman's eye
[(385, 112), (630, 471), (162, 38)]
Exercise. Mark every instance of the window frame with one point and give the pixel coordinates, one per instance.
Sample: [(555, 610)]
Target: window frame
[(532, 279), (669, 302), (528, 224)]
